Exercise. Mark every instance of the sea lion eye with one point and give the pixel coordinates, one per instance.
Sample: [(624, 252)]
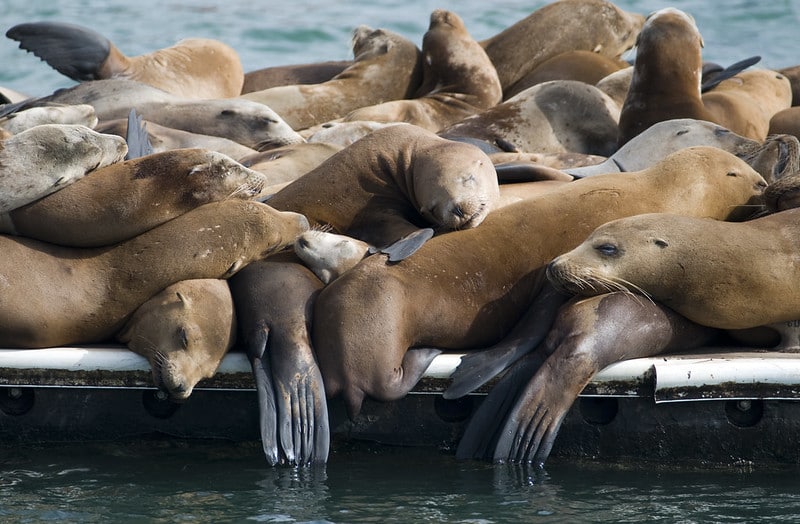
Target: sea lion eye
[(184, 337), (608, 250), (733, 173), (660, 243)]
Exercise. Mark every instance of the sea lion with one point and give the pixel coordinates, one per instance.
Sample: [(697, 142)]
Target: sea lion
[(49, 157), (288, 163), (328, 254), (184, 331), (593, 25), (666, 83), (246, 122), (288, 75), (392, 183), (79, 114), (718, 274), (127, 198), (793, 74), (376, 326), (163, 138), (57, 296), (580, 64), (553, 117), (274, 302), (668, 136), (192, 68), (386, 67), (519, 420), (343, 133), (458, 80)]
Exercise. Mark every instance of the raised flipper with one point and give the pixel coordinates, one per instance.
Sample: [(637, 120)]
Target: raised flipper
[(72, 50), (478, 367), (716, 77), (519, 171), (137, 137), (406, 246)]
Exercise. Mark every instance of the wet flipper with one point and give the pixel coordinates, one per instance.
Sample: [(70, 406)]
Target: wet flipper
[(137, 137), (407, 245), (520, 171), (478, 367), (267, 409), (716, 77), (72, 50), (484, 429)]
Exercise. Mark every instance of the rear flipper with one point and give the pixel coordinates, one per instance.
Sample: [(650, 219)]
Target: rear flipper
[(72, 50), (407, 245), (732, 70), (137, 138), (479, 367)]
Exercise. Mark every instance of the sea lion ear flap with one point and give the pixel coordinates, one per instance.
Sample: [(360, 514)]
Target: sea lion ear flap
[(184, 300)]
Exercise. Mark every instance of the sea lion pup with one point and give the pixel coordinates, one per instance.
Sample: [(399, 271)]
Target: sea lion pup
[(249, 123), (78, 114), (553, 117), (274, 302), (46, 158), (567, 25), (328, 254), (375, 325), (99, 288), (192, 68), (184, 332), (666, 83), (458, 80), (387, 66), (289, 75), (718, 274), (125, 199), (395, 187), (772, 158), (163, 138), (519, 420)]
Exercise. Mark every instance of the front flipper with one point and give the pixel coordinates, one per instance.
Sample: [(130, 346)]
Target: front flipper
[(732, 70), (407, 245), (478, 367), (521, 171), (72, 50), (256, 347)]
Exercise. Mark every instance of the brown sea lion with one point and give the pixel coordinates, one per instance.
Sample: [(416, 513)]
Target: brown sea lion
[(568, 25), (375, 325), (274, 302), (519, 420), (56, 296), (163, 138), (192, 68), (125, 199), (793, 74), (386, 67), (553, 117), (293, 74), (44, 159), (184, 332), (458, 80), (666, 84), (719, 274), (581, 65), (288, 163), (392, 183)]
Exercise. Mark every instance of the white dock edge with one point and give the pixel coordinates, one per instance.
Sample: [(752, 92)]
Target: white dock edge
[(672, 378)]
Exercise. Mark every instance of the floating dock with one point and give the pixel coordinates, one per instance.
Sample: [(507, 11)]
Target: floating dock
[(706, 408)]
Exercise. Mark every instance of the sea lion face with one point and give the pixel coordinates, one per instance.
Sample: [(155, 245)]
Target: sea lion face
[(455, 185), (229, 178), (329, 255), (250, 123), (627, 254), (184, 332)]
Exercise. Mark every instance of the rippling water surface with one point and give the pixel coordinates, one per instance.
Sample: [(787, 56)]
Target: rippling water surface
[(223, 482)]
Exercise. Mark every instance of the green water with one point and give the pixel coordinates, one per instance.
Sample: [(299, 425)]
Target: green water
[(180, 481)]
